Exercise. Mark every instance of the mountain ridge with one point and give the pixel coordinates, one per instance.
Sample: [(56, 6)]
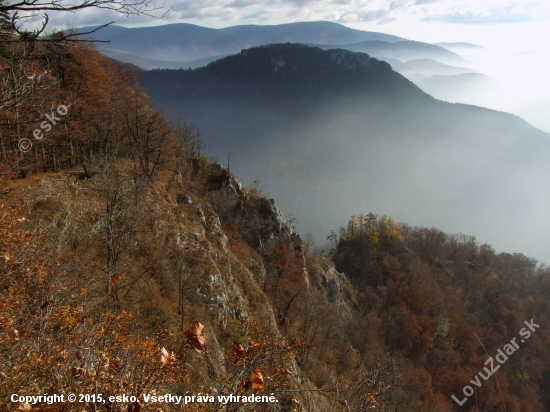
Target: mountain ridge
[(183, 41), (328, 133), (404, 50)]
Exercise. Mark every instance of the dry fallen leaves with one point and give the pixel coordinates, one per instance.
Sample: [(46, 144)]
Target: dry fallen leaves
[(165, 357), (195, 337), (237, 352), (115, 278), (257, 379)]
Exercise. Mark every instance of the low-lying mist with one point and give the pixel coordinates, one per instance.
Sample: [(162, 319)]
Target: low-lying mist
[(511, 80), (343, 161), (326, 155)]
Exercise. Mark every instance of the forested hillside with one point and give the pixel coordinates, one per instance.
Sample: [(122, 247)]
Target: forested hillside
[(447, 304), (131, 264)]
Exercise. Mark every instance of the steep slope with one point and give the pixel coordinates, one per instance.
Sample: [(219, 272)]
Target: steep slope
[(179, 266), (333, 128)]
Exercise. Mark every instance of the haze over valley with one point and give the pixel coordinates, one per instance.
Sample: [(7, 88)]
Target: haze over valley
[(388, 158), (333, 133)]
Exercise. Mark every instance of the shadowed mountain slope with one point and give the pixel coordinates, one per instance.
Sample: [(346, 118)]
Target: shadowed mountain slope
[(335, 132)]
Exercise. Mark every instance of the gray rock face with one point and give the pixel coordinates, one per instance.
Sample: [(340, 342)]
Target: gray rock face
[(349, 60), (183, 198), (333, 290), (265, 226)]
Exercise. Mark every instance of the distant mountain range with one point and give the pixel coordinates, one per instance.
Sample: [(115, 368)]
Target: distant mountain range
[(183, 42), (403, 50), (459, 45), (334, 132), (183, 46)]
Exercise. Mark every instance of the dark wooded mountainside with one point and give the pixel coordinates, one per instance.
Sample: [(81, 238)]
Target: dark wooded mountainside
[(130, 264)]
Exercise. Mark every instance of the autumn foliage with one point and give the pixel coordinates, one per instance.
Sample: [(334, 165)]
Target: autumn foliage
[(86, 286), (446, 303), (129, 264)]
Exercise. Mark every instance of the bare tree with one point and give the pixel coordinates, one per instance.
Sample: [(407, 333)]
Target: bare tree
[(11, 29), (20, 81), (123, 216)]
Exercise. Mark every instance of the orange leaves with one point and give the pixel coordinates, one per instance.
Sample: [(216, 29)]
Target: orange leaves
[(195, 336), (279, 373), (257, 379), (237, 352), (259, 362), (115, 278)]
